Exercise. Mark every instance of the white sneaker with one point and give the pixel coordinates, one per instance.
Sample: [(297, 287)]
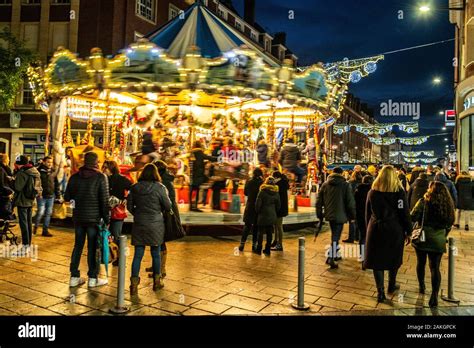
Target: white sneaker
[(76, 281), (95, 282)]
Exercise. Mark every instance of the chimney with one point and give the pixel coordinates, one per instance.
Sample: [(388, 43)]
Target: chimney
[(249, 11), (280, 38)]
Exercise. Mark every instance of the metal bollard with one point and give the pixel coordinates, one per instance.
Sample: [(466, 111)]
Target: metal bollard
[(120, 308), (300, 305), (450, 297)]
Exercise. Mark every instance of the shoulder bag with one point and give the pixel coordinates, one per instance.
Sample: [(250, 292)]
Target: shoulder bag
[(418, 234)]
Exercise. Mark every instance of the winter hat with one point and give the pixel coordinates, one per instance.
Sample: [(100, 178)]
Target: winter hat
[(91, 159), (22, 160), (337, 170), (270, 181)]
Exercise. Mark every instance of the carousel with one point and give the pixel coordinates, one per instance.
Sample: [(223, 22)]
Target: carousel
[(196, 79)]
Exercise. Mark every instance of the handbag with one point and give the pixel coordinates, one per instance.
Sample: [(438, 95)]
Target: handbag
[(119, 212), (173, 228), (418, 234), (59, 211)]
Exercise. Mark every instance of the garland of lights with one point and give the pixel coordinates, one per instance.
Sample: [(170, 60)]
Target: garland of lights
[(412, 153), (404, 141), (377, 129), (420, 160)]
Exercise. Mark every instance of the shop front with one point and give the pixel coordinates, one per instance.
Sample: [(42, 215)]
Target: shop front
[(465, 105)]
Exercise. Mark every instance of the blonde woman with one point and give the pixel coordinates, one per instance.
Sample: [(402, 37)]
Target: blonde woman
[(388, 227)]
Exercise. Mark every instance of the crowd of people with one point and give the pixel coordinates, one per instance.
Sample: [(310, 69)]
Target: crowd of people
[(380, 205)]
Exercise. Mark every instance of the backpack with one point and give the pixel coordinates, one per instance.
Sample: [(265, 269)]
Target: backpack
[(30, 191)]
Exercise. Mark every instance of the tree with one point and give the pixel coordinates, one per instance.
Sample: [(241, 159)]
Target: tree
[(14, 61)]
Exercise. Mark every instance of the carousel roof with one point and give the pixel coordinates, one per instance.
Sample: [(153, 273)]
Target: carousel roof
[(198, 26)]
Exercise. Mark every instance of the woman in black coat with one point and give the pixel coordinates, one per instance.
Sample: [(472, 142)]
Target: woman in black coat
[(252, 187), (267, 207), (465, 188), (283, 186), (388, 227), (360, 196)]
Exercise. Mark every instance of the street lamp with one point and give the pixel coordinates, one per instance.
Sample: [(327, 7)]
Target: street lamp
[(437, 80), (444, 128), (426, 8), (441, 113)]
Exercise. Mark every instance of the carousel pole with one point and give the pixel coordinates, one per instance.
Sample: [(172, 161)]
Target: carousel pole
[(291, 129), (48, 133)]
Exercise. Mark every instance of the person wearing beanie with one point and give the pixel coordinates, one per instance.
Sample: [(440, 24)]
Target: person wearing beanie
[(337, 199), (27, 187), (267, 206), (88, 192)]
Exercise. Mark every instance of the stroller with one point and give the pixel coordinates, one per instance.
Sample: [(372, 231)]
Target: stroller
[(6, 217)]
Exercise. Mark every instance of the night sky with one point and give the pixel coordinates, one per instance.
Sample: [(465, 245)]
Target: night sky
[(327, 31)]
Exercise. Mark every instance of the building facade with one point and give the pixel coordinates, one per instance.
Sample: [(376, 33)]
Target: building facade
[(463, 19)]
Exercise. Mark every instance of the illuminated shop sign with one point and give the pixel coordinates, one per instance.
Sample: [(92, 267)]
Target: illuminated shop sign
[(469, 102)]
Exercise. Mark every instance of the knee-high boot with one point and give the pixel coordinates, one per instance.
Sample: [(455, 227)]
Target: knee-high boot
[(163, 255)]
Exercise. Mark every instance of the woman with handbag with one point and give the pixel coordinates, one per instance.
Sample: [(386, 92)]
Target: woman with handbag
[(119, 186), (146, 201), (388, 227), (435, 212)]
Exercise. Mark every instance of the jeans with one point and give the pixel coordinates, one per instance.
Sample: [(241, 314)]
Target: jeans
[(279, 231), (379, 278), (81, 232), (138, 256), (264, 230), (45, 207), (353, 232), (204, 196), (25, 220), (116, 229), (336, 232), (216, 198), (435, 263), (299, 172)]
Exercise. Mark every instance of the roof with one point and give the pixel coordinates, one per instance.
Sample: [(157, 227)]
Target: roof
[(201, 28)]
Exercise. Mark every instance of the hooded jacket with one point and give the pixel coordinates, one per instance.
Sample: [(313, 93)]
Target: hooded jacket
[(268, 204), (289, 156), (146, 201), (22, 178), (417, 191), (89, 189), (449, 184), (465, 188), (337, 198)]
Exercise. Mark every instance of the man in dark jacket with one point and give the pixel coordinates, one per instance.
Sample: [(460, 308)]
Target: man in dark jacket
[(441, 177), (360, 197), (27, 188), (418, 189), (88, 192), (252, 187), (337, 199), (46, 200), (198, 176), (283, 186), (290, 157)]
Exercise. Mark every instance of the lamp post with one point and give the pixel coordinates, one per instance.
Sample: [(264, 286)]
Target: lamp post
[(426, 9)]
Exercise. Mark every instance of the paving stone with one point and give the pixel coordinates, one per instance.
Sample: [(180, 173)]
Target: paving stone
[(243, 302), (70, 309), (356, 299), (238, 311), (202, 293), (47, 301), (334, 304), (197, 312), (212, 307), (276, 299), (255, 295), (170, 307), (149, 311), (317, 291), (181, 299)]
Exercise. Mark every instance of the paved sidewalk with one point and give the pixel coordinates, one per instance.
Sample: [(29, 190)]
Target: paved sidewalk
[(208, 276)]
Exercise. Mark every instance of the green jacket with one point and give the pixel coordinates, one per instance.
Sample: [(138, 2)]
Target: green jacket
[(435, 232), (26, 173)]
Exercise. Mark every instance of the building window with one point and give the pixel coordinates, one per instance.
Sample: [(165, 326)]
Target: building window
[(58, 36), (31, 35), (253, 36), (173, 12), (467, 143), (238, 25), (61, 2), (146, 9), (5, 2), (27, 94), (31, 2), (221, 13), (267, 45)]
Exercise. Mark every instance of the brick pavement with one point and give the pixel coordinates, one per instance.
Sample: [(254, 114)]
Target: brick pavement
[(208, 276)]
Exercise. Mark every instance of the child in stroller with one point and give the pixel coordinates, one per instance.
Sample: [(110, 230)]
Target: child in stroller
[(6, 215)]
